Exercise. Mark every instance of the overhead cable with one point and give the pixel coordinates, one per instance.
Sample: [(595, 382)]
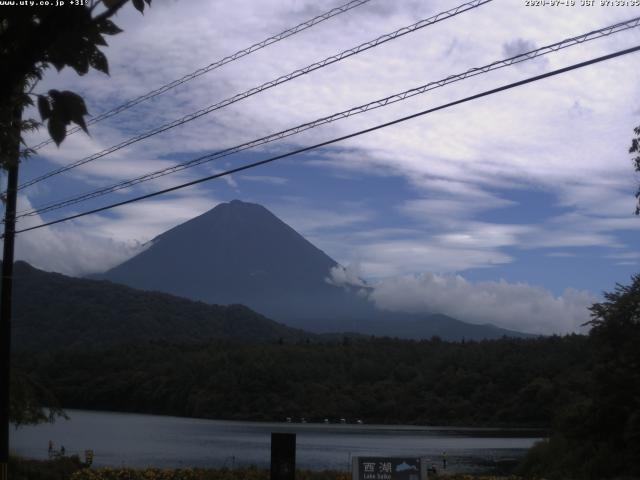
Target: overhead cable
[(212, 66), (265, 86), (339, 139), (397, 97)]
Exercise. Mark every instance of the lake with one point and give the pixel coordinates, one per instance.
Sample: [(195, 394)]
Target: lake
[(120, 439)]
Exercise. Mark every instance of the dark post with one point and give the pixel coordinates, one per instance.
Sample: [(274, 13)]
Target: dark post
[(5, 295), (283, 456)]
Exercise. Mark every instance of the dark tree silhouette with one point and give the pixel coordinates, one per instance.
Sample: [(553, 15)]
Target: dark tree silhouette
[(615, 411), (33, 38), (598, 436), (635, 148)]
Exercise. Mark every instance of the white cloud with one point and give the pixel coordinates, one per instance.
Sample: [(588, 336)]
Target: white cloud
[(561, 254), (145, 220), (625, 255), (396, 257), (96, 243), (308, 220), (159, 35), (518, 306), (463, 205), (349, 276), (70, 248), (268, 179), (517, 47)]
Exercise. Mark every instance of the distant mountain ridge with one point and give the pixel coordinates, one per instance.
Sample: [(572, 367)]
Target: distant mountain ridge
[(241, 253), (409, 326)]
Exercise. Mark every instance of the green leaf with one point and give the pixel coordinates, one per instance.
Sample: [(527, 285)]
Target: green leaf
[(54, 94), (59, 64), (139, 5), (81, 123), (67, 107), (98, 60), (26, 99), (94, 37), (57, 129), (44, 107), (75, 100), (109, 28), (75, 108), (80, 63)]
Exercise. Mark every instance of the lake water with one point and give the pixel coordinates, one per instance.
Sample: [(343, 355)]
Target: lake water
[(119, 439)]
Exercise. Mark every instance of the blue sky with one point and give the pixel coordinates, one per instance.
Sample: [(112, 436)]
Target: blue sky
[(515, 209)]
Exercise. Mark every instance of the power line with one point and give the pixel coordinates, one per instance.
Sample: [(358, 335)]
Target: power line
[(618, 27), (219, 63), (340, 139), (265, 86)]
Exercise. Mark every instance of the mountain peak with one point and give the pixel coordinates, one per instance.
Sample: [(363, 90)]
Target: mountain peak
[(240, 252), (239, 204), (234, 209), (235, 201)]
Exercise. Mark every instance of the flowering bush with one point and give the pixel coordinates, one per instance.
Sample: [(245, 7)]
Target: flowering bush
[(196, 474), (240, 474)]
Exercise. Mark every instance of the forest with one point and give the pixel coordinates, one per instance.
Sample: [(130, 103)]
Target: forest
[(507, 382)]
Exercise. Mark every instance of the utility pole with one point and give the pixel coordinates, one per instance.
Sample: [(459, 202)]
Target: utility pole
[(12, 162)]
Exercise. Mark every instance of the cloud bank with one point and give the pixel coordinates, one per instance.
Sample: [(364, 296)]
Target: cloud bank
[(515, 306)]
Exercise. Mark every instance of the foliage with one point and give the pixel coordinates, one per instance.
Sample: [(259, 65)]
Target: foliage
[(599, 436), (615, 411), (34, 37), (197, 474), (635, 148), (30, 402), (52, 311), (71, 468), (551, 458), (509, 382), (59, 469), (241, 474)]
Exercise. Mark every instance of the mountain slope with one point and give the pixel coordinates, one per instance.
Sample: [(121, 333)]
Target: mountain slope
[(53, 311), (241, 253)]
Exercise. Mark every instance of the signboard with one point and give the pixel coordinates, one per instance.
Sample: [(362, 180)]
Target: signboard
[(389, 468)]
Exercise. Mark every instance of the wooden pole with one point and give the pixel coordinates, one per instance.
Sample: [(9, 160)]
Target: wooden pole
[(6, 294)]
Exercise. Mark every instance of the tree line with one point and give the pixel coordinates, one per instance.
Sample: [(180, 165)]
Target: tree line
[(507, 382)]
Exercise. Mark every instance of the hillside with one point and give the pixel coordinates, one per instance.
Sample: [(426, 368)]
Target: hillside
[(53, 311)]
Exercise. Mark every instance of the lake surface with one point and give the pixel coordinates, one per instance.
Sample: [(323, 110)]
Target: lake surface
[(120, 439)]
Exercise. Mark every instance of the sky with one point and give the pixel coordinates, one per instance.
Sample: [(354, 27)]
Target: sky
[(516, 209)]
